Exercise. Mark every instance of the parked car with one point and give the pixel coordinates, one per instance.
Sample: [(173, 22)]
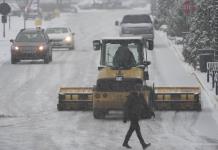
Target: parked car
[(138, 25), (31, 44), (61, 37)]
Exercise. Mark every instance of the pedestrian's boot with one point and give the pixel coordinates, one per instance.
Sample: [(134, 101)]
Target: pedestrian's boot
[(146, 146), (126, 145)]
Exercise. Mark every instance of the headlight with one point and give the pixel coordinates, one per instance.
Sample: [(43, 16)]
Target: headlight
[(16, 48), (68, 39), (41, 48)]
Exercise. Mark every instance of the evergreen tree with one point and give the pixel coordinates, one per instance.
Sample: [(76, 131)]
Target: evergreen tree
[(171, 13), (201, 31), (164, 7)]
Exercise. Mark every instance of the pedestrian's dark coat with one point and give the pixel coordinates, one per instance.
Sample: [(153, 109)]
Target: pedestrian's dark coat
[(147, 111), (136, 108)]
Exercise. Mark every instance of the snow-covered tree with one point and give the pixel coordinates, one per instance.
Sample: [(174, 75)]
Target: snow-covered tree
[(199, 24), (164, 7), (170, 13), (201, 31)]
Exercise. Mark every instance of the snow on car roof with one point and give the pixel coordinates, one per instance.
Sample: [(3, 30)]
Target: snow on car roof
[(123, 38), (31, 29), (137, 14), (57, 27)]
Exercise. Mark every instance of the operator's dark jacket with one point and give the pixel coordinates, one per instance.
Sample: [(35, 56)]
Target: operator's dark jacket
[(123, 58), (136, 108)]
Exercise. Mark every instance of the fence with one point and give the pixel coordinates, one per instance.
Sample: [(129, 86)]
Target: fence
[(212, 71)]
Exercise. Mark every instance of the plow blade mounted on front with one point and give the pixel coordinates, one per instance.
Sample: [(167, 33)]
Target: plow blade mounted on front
[(163, 98), (177, 98), (74, 98)]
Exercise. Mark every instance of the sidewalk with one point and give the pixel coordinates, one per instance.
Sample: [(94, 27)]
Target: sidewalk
[(201, 77)]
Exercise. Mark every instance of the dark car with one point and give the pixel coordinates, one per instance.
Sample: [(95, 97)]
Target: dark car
[(31, 44)]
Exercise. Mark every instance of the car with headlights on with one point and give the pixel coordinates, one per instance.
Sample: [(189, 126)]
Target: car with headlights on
[(31, 44), (61, 37)]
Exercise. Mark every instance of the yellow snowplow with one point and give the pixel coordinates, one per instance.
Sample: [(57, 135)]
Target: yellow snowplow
[(115, 82)]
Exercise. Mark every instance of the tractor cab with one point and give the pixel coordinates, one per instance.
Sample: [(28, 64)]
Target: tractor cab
[(122, 53)]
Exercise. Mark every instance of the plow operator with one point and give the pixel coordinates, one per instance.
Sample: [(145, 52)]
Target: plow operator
[(123, 57)]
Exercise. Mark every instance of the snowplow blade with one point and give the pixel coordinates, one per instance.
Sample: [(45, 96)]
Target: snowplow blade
[(177, 98), (75, 98)]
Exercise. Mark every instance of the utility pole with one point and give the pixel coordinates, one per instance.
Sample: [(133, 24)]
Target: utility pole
[(9, 22), (4, 25), (4, 30), (24, 15)]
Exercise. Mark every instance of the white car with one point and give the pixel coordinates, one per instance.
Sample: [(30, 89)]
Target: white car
[(61, 37)]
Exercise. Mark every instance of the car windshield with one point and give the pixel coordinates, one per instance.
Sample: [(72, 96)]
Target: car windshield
[(56, 30), (117, 55), (30, 37), (137, 19)]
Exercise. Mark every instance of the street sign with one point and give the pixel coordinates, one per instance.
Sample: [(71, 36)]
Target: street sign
[(5, 9), (188, 7)]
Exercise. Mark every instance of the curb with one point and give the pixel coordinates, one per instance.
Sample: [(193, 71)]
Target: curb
[(213, 96)]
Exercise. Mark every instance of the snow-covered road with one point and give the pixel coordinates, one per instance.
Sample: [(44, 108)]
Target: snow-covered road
[(28, 97)]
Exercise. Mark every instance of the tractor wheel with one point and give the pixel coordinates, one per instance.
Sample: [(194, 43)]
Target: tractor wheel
[(72, 48), (14, 60), (59, 107), (98, 114)]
